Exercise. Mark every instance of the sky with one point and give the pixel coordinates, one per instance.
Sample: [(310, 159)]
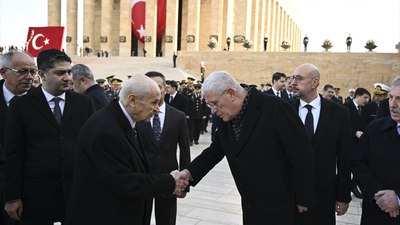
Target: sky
[(319, 20)]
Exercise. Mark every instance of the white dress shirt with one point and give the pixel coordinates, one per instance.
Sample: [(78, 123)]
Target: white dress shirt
[(49, 99), (316, 110), (161, 114)]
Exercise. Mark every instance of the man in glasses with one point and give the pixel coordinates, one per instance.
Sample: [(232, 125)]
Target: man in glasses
[(40, 142), (17, 69), (327, 126), (273, 180)]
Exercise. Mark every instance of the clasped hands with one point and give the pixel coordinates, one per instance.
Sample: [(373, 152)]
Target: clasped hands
[(387, 200), (181, 181)]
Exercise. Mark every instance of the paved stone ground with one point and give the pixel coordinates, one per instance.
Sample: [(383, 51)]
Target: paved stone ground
[(216, 201)]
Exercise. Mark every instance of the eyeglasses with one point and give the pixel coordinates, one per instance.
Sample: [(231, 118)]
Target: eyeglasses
[(23, 72), (214, 104), (297, 78)]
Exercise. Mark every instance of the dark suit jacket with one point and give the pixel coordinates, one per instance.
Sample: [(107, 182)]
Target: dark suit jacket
[(98, 95), (3, 113), (331, 147), (111, 185), (162, 155), (270, 91), (383, 109), (273, 168), (180, 102), (41, 153), (376, 167), (357, 122)]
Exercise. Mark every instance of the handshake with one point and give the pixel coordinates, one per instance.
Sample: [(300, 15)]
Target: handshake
[(181, 181)]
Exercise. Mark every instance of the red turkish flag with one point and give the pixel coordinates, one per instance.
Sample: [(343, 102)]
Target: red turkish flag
[(139, 18), (41, 38)]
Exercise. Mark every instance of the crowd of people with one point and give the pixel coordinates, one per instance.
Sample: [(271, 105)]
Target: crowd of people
[(80, 150)]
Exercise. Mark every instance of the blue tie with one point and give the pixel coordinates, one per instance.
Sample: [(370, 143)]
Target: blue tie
[(398, 129), (157, 126)]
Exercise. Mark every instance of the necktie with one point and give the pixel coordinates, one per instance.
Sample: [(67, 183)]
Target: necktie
[(359, 110), (157, 126), (398, 129), (309, 123), (170, 98), (278, 94), (57, 109), (290, 96)]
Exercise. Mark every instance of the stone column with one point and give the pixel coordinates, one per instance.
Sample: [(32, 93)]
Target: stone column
[(272, 38), (106, 25), (217, 13), (193, 24), (125, 27), (72, 23), (239, 22), (171, 30), (54, 13), (151, 28), (89, 7)]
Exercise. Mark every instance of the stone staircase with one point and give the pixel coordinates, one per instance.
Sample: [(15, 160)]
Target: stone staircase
[(121, 67)]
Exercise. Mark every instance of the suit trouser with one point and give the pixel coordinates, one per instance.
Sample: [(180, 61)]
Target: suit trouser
[(195, 126), (165, 210)]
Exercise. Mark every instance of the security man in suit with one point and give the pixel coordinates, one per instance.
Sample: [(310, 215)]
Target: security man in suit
[(83, 83), (41, 141), (17, 69), (196, 111), (161, 137)]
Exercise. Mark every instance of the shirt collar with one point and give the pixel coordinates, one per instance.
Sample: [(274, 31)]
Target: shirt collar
[(131, 122), (355, 103), (8, 95), (162, 108), (314, 103), (49, 97)]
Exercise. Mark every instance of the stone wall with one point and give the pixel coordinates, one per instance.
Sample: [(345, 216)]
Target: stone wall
[(343, 70)]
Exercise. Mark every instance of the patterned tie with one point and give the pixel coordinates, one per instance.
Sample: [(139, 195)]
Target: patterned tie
[(57, 109), (157, 126), (309, 123)]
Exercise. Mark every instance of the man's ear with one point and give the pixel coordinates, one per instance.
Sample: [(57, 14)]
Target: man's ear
[(41, 75)]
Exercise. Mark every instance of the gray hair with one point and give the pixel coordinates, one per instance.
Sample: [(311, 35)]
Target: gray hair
[(396, 81), (80, 70), (138, 86), (5, 59), (218, 81)]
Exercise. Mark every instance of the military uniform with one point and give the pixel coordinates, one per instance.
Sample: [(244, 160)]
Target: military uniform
[(196, 112)]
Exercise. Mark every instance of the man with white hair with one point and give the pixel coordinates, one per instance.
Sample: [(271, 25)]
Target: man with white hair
[(271, 179), (376, 165), (112, 184)]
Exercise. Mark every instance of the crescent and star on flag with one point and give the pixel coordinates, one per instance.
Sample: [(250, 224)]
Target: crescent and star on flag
[(138, 19), (34, 38)]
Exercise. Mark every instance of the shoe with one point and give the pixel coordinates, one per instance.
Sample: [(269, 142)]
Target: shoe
[(206, 131), (196, 142), (191, 143), (201, 132), (356, 191)]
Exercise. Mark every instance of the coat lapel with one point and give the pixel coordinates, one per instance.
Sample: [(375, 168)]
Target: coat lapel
[(325, 116), (39, 101), (252, 115)]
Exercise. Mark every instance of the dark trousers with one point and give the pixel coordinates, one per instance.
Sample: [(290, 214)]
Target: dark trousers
[(164, 210), (195, 126)]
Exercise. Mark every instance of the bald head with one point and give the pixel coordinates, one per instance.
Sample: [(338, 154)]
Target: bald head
[(140, 96), (305, 82)]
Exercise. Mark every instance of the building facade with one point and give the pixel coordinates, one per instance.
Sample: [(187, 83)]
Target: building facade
[(189, 25)]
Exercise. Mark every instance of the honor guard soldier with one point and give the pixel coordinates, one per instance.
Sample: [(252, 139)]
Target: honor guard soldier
[(196, 111)]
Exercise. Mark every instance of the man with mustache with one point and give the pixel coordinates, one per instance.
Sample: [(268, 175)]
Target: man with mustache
[(40, 142), (376, 167)]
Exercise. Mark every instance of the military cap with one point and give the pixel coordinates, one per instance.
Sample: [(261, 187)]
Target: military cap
[(253, 86), (191, 79), (381, 89), (109, 77), (182, 82), (336, 89), (116, 81), (197, 86), (352, 90), (101, 81), (199, 82)]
